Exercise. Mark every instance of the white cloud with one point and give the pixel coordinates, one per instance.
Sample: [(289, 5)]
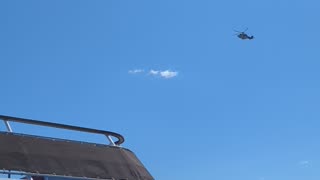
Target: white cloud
[(153, 72), (168, 74), (135, 71)]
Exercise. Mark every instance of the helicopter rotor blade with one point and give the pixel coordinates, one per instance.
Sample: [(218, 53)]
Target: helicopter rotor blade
[(245, 30)]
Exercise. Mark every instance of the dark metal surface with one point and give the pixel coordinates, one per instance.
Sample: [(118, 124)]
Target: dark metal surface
[(63, 126)]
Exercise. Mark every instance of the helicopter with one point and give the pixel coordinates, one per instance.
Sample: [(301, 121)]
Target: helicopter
[(242, 35)]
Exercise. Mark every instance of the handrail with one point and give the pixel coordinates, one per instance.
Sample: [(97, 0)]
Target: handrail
[(68, 127), (28, 175)]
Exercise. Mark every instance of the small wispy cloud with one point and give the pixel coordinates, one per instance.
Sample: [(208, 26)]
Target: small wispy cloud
[(166, 74), (153, 72), (135, 71), (304, 163)]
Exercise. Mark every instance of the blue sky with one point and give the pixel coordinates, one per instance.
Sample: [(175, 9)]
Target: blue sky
[(233, 109)]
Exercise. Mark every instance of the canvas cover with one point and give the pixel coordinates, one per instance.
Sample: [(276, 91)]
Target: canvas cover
[(34, 154)]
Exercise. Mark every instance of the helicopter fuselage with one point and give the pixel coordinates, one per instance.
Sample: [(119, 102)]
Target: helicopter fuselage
[(244, 36)]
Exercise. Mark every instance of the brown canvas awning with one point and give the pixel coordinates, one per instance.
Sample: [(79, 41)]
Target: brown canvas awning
[(32, 154)]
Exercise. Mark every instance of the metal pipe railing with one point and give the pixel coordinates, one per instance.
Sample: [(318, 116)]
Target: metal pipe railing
[(20, 173), (108, 134)]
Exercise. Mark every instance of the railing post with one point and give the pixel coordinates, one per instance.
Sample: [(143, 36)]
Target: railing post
[(9, 175), (111, 141), (8, 126)]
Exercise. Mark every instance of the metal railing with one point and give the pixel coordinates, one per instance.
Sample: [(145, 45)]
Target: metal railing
[(108, 134), (28, 176)]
